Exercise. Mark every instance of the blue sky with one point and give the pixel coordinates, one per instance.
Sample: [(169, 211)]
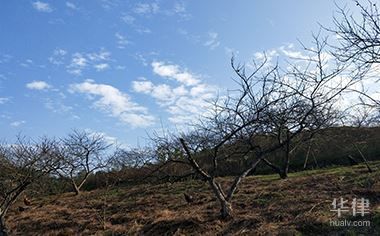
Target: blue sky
[(125, 68)]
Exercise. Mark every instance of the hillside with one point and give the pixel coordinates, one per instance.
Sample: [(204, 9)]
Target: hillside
[(264, 205)]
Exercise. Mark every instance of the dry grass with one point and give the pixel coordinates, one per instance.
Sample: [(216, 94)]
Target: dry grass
[(264, 205)]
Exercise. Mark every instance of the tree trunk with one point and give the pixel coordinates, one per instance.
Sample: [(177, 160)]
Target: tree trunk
[(283, 174), (307, 157), (285, 171), (3, 229), (226, 207), (280, 172), (315, 161), (226, 210), (363, 158), (75, 187), (352, 160)]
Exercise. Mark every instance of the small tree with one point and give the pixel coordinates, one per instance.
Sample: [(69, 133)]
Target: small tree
[(22, 164), (83, 153)]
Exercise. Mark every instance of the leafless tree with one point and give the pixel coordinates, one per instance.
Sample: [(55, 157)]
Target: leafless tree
[(316, 83), (273, 109), (359, 41), (22, 164), (358, 36), (132, 158), (235, 119), (83, 153)]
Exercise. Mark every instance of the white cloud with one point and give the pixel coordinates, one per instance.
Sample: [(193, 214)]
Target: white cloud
[(146, 8), (57, 106), (189, 36), (115, 102), (173, 71), (109, 139), (101, 67), (102, 55), (131, 21), (122, 41), (128, 19), (179, 7), (261, 56), (164, 93), (78, 63), (81, 61), (71, 6), (3, 100), (17, 123), (143, 30), (4, 58), (149, 9), (185, 102), (212, 41), (42, 6), (143, 86), (58, 56), (38, 85)]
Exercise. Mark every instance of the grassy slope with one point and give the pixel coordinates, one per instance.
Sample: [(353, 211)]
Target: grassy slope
[(263, 205)]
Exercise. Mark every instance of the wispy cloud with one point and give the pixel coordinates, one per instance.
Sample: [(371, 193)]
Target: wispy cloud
[(146, 8), (184, 102), (213, 41), (17, 123), (164, 93), (4, 58), (57, 106), (179, 7), (108, 138), (3, 100), (58, 56), (128, 19), (101, 67), (80, 61), (42, 6), (189, 36), (173, 71), (118, 104), (71, 6), (38, 85), (122, 41), (132, 22)]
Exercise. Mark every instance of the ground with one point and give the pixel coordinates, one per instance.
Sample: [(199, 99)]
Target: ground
[(264, 205)]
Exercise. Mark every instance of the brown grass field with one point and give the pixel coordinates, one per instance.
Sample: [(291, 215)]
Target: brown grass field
[(264, 205)]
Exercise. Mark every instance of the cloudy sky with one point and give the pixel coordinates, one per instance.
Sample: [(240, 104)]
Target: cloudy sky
[(125, 68)]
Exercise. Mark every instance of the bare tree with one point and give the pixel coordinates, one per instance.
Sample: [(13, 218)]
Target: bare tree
[(21, 164), (358, 36), (82, 154), (316, 83), (235, 119), (273, 109), (359, 41)]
